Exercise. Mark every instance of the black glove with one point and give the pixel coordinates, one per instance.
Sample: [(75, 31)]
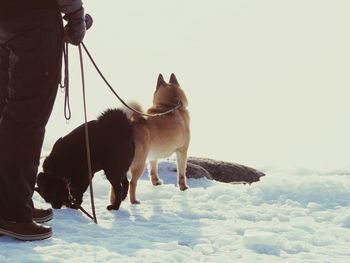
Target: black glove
[(75, 29)]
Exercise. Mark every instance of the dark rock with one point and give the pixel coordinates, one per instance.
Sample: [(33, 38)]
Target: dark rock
[(195, 171), (221, 171)]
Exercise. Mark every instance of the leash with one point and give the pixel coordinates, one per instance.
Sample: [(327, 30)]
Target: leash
[(65, 86), (72, 200), (87, 141), (178, 105), (68, 115)]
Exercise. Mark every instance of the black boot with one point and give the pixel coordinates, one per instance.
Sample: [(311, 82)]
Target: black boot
[(25, 231), (42, 215)]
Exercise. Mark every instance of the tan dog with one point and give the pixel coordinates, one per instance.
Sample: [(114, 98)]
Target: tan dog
[(161, 136)]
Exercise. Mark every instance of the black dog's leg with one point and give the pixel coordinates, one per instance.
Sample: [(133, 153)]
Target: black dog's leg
[(125, 185), (118, 197), (115, 179)]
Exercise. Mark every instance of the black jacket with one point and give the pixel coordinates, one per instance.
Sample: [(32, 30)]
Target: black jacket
[(13, 8)]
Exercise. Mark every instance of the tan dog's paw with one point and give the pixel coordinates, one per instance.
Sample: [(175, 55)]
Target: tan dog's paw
[(183, 187), (135, 202), (157, 182)]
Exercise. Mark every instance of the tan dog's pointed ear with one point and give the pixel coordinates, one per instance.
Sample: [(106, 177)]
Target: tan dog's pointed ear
[(173, 79), (160, 80)]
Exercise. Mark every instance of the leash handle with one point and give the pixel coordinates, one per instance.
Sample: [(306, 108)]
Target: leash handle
[(178, 105), (65, 85)]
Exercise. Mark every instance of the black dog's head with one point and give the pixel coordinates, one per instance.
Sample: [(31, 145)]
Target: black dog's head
[(53, 189)]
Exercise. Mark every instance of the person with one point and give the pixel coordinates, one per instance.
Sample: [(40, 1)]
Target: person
[(31, 40)]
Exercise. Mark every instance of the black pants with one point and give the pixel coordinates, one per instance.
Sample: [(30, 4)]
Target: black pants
[(30, 68)]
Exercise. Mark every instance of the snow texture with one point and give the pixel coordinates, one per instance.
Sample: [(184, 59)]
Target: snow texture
[(289, 216)]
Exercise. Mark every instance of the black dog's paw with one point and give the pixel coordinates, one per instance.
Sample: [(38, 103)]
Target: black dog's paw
[(112, 207)]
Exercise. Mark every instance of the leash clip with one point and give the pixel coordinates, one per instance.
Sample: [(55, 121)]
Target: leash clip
[(179, 104)]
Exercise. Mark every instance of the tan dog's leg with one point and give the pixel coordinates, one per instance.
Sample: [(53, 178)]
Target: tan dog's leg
[(153, 165), (136, 171), (181, 158)]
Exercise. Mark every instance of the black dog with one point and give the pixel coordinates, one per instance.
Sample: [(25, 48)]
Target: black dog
[(65, 170)]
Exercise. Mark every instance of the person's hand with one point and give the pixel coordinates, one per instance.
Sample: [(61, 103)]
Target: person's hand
[(75, 29)]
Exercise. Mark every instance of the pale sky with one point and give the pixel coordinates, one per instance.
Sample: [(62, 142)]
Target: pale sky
[(267, 81)]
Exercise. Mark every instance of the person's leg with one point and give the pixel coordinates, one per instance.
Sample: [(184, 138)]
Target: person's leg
[(34, 42), (4, 75)]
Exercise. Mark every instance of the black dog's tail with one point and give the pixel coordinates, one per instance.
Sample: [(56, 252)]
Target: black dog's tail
[(115, 121)]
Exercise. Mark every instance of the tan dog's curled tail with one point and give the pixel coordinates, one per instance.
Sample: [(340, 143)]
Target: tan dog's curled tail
[(131, 115)]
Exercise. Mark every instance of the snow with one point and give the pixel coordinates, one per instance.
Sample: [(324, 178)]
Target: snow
[(290, 216), (263, 88)]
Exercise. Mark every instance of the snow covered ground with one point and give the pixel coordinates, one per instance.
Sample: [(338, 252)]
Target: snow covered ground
[(290, 216)]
